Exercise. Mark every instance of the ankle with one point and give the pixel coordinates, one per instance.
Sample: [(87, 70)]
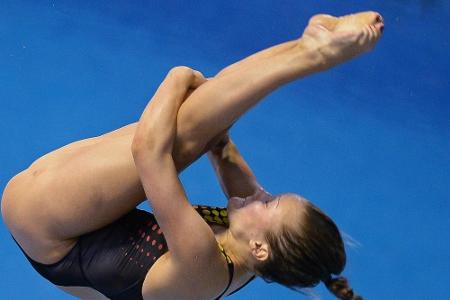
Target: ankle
[(309, 56)]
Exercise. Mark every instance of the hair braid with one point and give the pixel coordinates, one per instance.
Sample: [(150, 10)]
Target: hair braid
[(340, 288)]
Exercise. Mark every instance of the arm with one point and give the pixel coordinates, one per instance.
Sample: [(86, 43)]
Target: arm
[(235, 176), (152, 148)]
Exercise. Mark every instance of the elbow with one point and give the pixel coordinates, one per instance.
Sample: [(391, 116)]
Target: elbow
[(139, 146), (145, 139), (146, 149)]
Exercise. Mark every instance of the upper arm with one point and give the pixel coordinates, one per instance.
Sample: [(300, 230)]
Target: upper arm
[(193, 258), (203, 279), (185, 231)]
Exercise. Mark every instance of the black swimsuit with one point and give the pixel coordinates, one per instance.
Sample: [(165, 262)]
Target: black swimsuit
[(115, 259)]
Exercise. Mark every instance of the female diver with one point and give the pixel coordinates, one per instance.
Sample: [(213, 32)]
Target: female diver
[(73, 211)]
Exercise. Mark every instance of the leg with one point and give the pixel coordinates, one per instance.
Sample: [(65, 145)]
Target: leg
[(266, 53), (225, 98), (84, 188), (327, 41)]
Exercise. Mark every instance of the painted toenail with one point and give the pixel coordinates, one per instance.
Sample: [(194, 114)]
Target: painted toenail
[(380, 19)]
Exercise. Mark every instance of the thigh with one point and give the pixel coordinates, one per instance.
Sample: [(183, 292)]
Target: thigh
[(88, 184), (89, 187), (73, 190), (70, 192)]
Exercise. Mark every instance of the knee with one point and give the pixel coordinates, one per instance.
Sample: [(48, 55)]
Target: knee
[(181, 74), (180, 71)]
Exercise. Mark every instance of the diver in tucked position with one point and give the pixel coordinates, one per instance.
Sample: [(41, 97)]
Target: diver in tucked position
[(73, 211)]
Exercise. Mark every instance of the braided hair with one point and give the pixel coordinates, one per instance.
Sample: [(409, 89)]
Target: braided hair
[(307, 252)]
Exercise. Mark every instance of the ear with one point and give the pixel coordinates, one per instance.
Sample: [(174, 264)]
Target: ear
[(259, 249)]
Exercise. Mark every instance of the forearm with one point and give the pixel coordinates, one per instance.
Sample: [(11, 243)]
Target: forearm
[(156, 129), (233, 173)]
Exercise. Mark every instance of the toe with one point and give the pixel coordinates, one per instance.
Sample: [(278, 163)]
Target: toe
[(380, 19), (379, 26), (379, 23), (369, 17), (374, 17)]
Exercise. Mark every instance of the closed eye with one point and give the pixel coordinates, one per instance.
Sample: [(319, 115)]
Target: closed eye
[(268, 201), (278, 202)]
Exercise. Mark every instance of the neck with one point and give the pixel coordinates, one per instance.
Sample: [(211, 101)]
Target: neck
[(237, 253)]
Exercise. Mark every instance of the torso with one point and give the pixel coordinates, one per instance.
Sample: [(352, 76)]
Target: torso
[(156, 270), (159, 270)]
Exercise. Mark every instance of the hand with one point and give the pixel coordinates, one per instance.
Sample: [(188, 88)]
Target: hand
[(218, 143), (198, 80), (157, 125), (189, 78)]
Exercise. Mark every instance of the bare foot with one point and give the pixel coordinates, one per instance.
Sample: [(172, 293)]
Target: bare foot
[(339, 39)]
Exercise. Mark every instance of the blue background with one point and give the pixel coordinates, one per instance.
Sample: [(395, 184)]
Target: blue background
[(368, 142)]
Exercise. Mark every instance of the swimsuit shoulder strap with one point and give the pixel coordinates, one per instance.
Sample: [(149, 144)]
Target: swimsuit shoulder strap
[(230, 270), (214, 215), (230, 274)]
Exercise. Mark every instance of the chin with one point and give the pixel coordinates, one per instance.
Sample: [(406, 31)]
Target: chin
[(235, 203)]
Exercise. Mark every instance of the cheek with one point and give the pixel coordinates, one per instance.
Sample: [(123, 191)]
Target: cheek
[(253, 210), (246, 217)]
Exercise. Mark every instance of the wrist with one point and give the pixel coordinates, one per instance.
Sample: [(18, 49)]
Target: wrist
[(221, 144)]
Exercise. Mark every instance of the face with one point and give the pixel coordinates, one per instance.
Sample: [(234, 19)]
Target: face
[(251, 217)]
